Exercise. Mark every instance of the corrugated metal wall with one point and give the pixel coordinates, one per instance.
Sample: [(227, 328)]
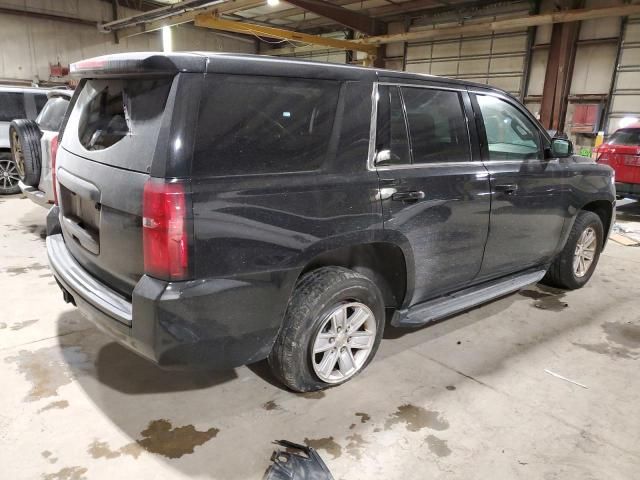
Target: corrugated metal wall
[(496, 59), (29, 45), (625, 100)]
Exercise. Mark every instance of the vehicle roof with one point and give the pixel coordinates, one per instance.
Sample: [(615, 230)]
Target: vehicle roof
[(218, 62)]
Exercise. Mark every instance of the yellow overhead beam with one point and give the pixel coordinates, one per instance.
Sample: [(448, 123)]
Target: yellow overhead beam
[(210, 21), (574, 15)]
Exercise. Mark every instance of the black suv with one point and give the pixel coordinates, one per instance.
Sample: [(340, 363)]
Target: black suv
[(216, 210)]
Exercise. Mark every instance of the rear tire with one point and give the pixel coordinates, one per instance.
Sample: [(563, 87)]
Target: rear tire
[(8, 175), (25, 147), (321, 326), (573, 267)]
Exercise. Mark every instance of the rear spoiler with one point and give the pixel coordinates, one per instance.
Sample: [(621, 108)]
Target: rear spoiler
[(137, 64)]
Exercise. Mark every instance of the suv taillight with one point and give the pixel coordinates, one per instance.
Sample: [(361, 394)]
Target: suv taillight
[(54, 154), (165, 230)]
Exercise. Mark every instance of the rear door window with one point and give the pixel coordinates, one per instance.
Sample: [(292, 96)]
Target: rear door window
[(11, 106), (437, 125), (52, 114), (117, 121), (253, 125)]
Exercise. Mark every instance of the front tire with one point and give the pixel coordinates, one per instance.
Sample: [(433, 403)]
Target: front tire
[(573, 267), (331, 330)]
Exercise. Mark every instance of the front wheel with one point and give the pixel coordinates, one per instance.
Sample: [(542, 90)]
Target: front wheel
[(331, 330), (574, 266)]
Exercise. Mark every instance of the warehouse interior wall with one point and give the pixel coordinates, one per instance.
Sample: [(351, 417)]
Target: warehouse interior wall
[(31, 44)]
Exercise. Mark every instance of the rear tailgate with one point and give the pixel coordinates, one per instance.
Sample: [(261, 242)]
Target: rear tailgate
[(105, 158)]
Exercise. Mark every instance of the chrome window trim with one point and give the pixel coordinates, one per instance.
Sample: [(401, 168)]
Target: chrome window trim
[(372, 128), (374, 124)]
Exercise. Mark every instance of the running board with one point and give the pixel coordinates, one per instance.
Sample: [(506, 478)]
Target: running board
[(442, 307)]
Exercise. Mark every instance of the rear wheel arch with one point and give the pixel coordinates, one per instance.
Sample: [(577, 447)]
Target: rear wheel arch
[(383, 263)]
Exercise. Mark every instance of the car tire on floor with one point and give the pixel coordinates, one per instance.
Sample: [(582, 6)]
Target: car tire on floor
[(331, 330), (573, 267)]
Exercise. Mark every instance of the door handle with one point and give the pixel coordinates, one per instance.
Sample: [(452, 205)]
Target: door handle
[(507, 189), (408, 196)]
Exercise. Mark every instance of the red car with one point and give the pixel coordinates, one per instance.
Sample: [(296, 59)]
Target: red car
[(622, 152)]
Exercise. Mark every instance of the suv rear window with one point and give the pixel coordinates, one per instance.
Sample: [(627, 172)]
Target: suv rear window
[(252, 124), (117, 121), (52, 114), (625, 136)]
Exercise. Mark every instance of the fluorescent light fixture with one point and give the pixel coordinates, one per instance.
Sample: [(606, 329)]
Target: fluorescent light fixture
[(273, 3), (628, 121), (167, 40)]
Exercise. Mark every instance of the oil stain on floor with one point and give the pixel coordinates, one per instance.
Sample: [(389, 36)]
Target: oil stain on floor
[(159, 437), (416, 418), (438, 446), (46, 371), (102, 450), (67, 473), (622, 341), (60, 404), (550, 299), (327, 444), (356, 446), (13, 271), (21, 325)]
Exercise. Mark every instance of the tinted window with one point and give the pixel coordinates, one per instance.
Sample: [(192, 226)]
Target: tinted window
[(391, 132), (52, 114), (11, 106), (437, 125), (251, 124), (510, 134), (625, 136), (41, 101), (111, 109)]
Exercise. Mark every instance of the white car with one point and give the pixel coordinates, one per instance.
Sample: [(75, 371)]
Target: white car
[(15, 102), (33, 144)]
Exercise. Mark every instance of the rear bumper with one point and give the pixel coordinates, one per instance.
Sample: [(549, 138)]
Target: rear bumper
[(35, 195), (632, 189), (215, 323)]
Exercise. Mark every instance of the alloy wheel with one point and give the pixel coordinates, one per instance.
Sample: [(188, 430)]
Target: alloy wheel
[(343, 342), (9, 177), (585, 252)]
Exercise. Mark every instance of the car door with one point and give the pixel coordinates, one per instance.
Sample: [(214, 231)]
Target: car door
[(434, 193), (528, 191)]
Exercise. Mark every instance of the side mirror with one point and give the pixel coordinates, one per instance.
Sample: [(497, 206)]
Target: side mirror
[(383, 157), (561, 148)]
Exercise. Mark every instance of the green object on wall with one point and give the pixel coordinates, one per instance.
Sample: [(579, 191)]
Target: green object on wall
[(585, 151)]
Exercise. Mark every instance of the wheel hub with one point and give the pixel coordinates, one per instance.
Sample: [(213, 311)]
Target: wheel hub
[(343, 342)]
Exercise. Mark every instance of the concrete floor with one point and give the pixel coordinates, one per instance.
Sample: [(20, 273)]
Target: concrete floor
[(466, 398)]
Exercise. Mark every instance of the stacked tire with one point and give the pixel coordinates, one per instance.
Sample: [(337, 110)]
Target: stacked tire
[(25, 151)]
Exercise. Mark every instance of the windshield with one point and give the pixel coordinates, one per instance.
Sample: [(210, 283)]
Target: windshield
[(52, 114), (625, 136)]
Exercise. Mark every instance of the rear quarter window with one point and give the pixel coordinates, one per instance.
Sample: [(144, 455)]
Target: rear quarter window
[(52, 114), (253, 125)]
